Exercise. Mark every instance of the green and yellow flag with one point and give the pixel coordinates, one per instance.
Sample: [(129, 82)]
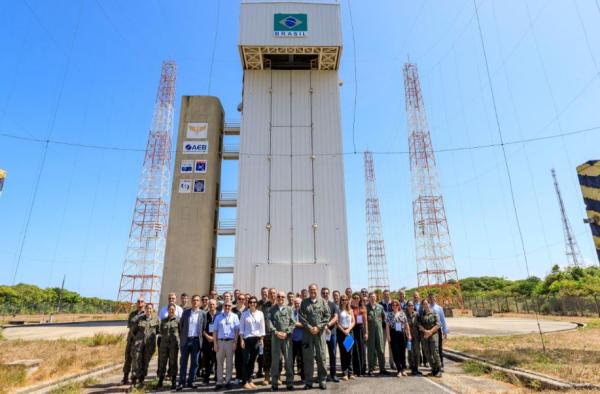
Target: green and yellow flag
[(589, 180), (2, 177)]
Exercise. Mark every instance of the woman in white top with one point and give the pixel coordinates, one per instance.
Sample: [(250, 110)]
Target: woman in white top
[(345, 324), (397, 331), (252, 331)]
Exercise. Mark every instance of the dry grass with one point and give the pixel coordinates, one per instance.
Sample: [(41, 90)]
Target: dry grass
[(61, 357), (570, 355)]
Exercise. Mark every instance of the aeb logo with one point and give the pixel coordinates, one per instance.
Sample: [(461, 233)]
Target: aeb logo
[(195, 147)]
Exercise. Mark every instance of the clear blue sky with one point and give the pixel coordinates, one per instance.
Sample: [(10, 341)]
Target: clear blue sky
[(87, 71)]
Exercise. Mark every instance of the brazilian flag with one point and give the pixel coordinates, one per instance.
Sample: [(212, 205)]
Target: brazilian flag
[(589, 180), (2, 177)]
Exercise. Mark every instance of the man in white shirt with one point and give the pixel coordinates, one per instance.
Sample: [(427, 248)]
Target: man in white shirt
[(226, 327), (164, 311)]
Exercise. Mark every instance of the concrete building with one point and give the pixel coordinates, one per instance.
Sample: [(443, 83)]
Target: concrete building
[(189, 264), (291, 223)]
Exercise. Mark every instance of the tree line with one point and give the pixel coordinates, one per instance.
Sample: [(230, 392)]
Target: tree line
[(30, 299)]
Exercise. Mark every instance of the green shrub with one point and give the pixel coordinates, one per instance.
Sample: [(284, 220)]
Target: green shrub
[(475, 368), (68, 388), (12, 375), (103, 339)]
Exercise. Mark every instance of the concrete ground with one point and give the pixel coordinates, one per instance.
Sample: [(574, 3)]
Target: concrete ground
[(453, 381), (64, 330), (471, 326)]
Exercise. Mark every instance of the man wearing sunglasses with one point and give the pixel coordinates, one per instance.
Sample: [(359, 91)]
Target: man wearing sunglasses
[(281, 324), (227, 329), (131, 322)]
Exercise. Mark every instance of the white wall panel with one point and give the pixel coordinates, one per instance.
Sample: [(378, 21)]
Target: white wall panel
[(281, 97), (281, 169), (303, 236), (301, 159), (300, 98), (281, 227)]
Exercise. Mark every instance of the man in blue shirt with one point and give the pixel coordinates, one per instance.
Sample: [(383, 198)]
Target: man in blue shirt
[(297, 339), (443, 332), (226, 328)]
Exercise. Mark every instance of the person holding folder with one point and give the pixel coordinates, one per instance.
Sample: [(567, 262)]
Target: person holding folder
[(345, 324)]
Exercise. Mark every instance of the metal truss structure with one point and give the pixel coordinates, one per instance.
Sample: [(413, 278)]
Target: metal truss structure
[(378, 268), (434, 255), (142, 269), (327, 57), (571, 247)]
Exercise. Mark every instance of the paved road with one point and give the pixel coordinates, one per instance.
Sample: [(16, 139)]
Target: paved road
[(471, 326), (380, 385), (496, 326), (67, 331)]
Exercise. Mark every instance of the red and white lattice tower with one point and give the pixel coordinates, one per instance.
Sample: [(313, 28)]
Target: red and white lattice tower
[(378, 269), (435, 259), (571, 247), (142, 269)]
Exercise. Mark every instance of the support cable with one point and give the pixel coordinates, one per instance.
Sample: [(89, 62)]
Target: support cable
[(550, 91), (508, 173), (46, 144), (380, 152), (214, 48), (520, 131), (355, 77)]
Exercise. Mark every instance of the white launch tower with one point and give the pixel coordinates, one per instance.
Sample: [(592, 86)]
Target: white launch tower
[(291, 226)]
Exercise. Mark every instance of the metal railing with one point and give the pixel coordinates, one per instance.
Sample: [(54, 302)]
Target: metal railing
[(227, 224), (234, 124), (228, 196), (223, 288), (231, 148), (225, 262)]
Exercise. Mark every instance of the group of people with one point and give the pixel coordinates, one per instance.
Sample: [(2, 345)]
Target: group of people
[(261, 337)]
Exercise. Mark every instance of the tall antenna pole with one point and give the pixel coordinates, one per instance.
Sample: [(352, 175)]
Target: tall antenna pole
[(435, 258), (571, 248), (142, 269), (378, 269)]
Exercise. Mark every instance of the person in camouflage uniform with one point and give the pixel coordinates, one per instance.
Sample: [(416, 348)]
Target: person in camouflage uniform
[(414, 354), (265, 309), (429, 324), (131, 319), (375, 317), (314, 316), (169, 346), (281, 324), (144, 334)]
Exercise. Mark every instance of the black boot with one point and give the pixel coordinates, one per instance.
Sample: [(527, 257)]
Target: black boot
[(125, 379), (160, 381), (173, 383)]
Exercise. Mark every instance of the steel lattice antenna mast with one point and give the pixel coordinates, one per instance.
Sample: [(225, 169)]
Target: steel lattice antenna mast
[(571, 247), (435, 258), (142, 269), (378, 269)]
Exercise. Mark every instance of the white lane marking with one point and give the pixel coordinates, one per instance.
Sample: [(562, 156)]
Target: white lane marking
[(443, 388)]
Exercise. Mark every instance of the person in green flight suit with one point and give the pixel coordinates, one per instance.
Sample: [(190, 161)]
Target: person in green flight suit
[(414, 351), (169, 347), (314, 316), (375, 317), (281, 324), (131, 319), (429, 324), (266, 309), (144, 344)]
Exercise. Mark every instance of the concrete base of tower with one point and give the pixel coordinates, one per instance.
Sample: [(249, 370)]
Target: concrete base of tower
[(291, 277)]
